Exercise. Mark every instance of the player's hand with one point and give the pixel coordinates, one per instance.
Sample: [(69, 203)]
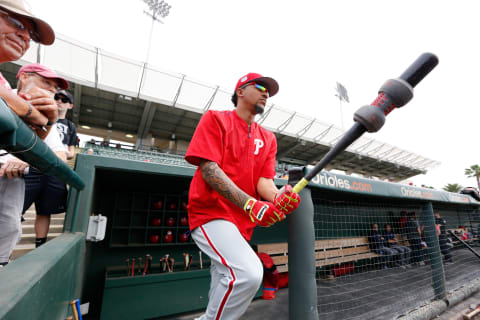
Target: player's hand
[(263, 213), (13, 168), (43, 101), (286, 200)]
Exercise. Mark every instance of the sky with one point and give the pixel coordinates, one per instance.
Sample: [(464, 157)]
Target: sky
[(307, 46)]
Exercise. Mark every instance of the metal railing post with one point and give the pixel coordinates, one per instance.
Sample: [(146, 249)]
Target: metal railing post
[(302, 287), (431, 238)]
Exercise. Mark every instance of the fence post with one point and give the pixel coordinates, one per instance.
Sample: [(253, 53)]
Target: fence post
[(431, 238), (302, 292)]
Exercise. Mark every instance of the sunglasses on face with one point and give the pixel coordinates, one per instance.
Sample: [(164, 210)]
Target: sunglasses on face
[(259, 87), (19, 25), (63, 99)]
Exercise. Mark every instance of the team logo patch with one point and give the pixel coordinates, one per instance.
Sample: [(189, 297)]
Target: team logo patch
[(258, 145), (244, 79)]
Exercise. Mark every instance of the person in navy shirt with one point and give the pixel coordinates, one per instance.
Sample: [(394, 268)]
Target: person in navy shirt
[(378, 244), (392, 242)]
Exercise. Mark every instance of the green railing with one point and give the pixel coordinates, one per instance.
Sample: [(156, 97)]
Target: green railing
[(18, 139)]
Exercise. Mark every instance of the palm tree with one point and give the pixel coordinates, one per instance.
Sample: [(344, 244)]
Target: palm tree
[(474, 171), (453, 187)]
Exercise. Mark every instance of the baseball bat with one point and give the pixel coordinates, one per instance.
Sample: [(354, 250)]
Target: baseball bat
[(464, 243), (472, 314), (393, 94)]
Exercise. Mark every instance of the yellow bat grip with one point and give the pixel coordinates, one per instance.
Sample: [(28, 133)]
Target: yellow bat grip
[(300, 185)]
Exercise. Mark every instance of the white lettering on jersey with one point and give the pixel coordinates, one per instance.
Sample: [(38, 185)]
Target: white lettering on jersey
[(62, 130), (258, 144)]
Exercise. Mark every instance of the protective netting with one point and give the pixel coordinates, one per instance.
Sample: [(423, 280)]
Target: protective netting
[(363, 275), (465, 224)]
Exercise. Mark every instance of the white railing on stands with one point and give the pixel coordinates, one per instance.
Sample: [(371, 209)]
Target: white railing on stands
[(93, 67)]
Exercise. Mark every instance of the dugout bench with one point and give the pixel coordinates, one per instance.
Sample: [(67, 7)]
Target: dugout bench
[(327, 252)]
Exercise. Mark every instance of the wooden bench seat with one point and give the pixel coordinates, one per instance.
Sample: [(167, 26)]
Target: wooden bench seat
[(336, 251), (327, 252)]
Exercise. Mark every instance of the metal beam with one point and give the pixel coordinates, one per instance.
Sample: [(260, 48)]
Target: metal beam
[(210, 101), (336, 138), (322, 134), (376, 149), (286, 122), (97, 53), (142, 128), (303, 131), (386, 153), (178, 92), (364, 146), (141, 79), (265, 114), (77, 103), (396, 155)]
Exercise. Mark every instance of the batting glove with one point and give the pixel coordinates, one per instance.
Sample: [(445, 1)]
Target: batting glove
[(262, 213), (285, 200)]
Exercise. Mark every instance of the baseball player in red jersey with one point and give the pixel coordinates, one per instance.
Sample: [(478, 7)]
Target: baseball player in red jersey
[(232, 191)]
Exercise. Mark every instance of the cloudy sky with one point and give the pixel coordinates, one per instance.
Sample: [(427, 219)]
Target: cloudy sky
[(307, 46)]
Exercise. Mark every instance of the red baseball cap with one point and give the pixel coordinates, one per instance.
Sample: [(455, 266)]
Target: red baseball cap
[(269, 83), (44, 72)]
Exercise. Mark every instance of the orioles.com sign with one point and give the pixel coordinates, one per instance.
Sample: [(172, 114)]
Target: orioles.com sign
[(335, 182)]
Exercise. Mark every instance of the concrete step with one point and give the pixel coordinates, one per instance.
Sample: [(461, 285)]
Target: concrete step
[(30, 238), (29, 229), (22, 249), (27, 242), (32, 214), (53, 221)]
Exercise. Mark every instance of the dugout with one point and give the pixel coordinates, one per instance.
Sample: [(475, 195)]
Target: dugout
[(124, 184)]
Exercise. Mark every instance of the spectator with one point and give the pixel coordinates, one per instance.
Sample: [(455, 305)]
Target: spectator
[(17, 27), (413, 231), (441, 226), (463, 234), (47, 192), (65, 127), (392, 242), (378, 244)]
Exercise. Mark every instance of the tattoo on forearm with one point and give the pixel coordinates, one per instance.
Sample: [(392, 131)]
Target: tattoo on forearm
[(220, 182)]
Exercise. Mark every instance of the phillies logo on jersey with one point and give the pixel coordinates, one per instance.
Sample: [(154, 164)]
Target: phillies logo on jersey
[(258, 144)]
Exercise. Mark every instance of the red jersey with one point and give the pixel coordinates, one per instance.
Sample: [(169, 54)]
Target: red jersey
[(244, 152)]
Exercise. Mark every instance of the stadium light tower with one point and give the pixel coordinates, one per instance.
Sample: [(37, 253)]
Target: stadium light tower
[(156, 10)]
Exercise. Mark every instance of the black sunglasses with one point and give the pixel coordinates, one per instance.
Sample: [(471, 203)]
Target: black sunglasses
[(63, 99)]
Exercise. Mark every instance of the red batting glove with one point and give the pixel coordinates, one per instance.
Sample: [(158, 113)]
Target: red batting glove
[(285, 200), (262, 213)]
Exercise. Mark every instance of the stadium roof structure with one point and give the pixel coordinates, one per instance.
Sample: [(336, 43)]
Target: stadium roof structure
[(128, 96)]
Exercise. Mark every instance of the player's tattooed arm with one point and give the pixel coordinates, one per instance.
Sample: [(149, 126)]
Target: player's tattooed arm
[(220, 182)]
